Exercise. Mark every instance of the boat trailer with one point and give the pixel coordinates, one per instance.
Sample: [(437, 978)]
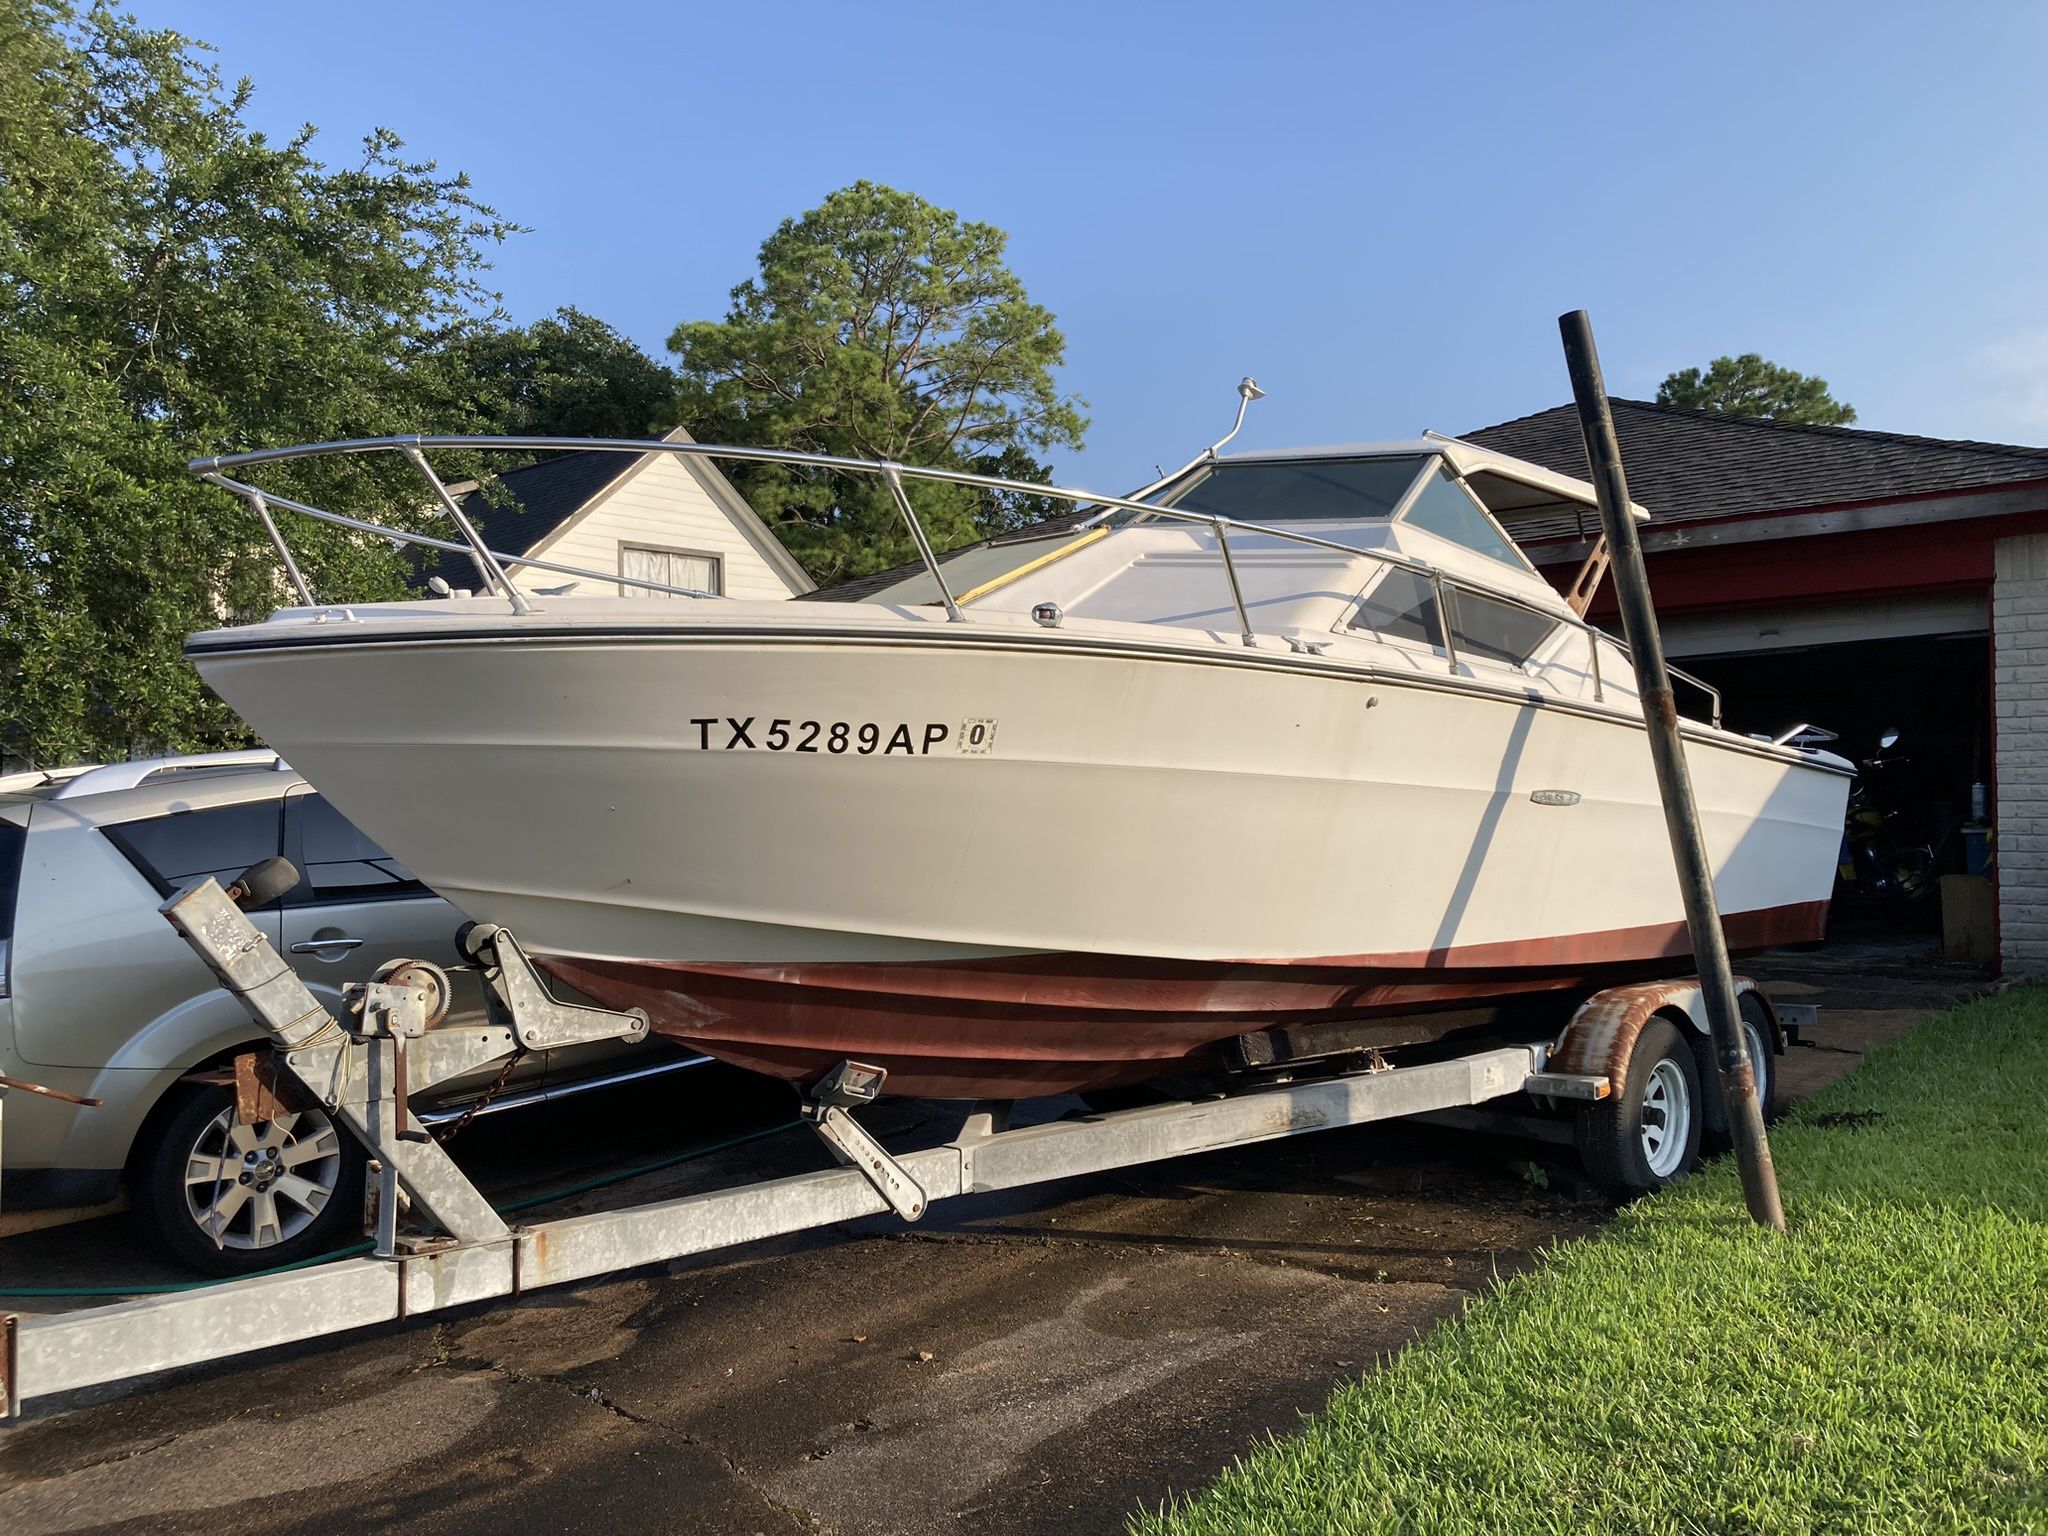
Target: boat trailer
[(439, 1243)]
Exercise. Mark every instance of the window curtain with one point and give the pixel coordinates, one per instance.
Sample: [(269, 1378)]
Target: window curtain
[(670, 567)]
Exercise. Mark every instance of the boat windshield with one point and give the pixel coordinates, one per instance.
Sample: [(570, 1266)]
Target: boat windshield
[(1342, 491), (1304, 491)]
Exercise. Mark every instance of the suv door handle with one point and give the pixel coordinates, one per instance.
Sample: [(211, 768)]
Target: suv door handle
[(314, 946)]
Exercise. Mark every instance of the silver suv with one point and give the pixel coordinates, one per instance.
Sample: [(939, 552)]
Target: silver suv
[(99, 998)]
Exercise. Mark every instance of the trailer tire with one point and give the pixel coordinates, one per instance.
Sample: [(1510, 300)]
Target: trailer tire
[(1649, 1133), (322, 1202), (1715, 1136)]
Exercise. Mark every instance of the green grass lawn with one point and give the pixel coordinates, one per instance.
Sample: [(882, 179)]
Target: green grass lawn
[(1883, 1368)]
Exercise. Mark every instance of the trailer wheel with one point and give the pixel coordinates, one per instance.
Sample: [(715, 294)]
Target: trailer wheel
[(1715, 1136), (1649, 1134), (229, 1198)]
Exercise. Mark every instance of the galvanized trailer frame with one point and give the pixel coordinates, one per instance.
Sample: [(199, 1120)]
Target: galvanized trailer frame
[(54, 1355), (360, 1069)]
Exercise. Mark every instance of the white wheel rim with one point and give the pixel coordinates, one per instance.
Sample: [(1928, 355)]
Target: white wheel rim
[(1666, 1118), (1759, 1057), (252, 1187)]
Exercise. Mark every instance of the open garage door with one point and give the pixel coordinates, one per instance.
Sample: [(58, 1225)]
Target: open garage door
[(1933, 690), (1747, 631)]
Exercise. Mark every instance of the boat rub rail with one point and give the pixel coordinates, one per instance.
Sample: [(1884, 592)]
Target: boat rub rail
[(915, 633)]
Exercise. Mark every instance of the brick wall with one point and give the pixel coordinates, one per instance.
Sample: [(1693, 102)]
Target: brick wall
[(2019, 634)]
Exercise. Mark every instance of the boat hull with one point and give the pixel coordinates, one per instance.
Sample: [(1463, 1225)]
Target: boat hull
[(1001, 859), (1027, 1025)]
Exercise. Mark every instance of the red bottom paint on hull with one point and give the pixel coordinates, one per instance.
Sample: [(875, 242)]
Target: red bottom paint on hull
[(1025, 1025)]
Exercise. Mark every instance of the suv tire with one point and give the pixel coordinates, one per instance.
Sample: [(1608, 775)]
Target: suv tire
[(231, 1199)]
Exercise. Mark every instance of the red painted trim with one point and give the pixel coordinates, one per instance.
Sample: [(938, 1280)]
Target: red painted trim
[(1018, 1026), (1921, 559), (1792, 924)]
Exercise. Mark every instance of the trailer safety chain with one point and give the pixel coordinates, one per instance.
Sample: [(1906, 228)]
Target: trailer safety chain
[(478, 1107)]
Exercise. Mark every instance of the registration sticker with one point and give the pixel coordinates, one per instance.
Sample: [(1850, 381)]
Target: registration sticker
[(977, 737)]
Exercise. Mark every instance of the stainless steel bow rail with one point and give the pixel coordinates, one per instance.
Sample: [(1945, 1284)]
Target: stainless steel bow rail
[(493, 566), (438, 1242)]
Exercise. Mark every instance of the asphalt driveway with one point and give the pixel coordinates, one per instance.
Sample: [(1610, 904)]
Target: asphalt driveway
[(1034, 1362)]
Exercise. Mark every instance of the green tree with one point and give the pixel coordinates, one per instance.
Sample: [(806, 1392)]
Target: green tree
[(880, 326), (172, 283), (1749, 386), (570, 375)]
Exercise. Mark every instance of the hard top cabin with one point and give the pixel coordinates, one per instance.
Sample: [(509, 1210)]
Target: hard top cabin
[(1399, 552)]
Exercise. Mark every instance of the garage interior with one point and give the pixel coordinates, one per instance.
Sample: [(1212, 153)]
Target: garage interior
[(1932, 696)]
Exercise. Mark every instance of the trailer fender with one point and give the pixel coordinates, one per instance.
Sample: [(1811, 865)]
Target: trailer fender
[(1601, 1035)]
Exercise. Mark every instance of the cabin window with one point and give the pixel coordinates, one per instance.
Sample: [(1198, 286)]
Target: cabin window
[(697, 571), (1305, 491), (1401, 606), (1445, 510), (1496, 630)]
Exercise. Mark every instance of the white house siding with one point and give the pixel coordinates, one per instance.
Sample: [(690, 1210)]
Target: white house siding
[(2019, 637), (662, 506)]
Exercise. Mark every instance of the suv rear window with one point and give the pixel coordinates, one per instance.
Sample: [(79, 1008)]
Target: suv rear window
[(182, 849), (340, 863), (12, 840)]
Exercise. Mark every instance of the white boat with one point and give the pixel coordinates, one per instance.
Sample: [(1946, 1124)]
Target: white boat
[(1292, 739)]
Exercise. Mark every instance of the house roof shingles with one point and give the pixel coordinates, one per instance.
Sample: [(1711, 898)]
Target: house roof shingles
[(534, 502), (541, 497), (1691, 466)]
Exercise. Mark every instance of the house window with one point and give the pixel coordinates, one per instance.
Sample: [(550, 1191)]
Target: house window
[(671, 567)]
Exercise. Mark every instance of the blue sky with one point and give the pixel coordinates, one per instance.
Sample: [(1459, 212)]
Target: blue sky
[(1379, 211)]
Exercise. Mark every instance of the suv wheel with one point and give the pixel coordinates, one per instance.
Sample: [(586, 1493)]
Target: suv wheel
[(229, 1198)]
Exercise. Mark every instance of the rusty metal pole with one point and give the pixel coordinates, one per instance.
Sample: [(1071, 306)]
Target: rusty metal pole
[(1674, 781)]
